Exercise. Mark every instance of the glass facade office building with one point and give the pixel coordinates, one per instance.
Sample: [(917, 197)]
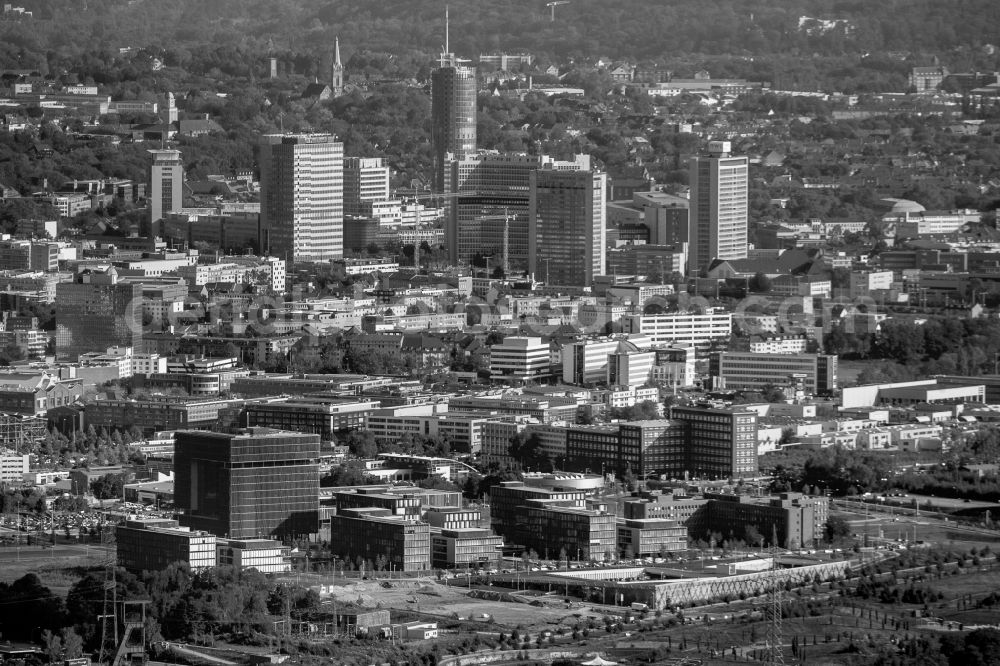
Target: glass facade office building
[(258, 483)]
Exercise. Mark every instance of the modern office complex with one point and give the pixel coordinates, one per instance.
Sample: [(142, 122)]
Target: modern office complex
[(722, 442), (302, 196), (465, 547), (718, 208), (489, 212), (264, 555), (255, 483), (566, 227), (698, 330), (153, 545), (815, 374), (366, 179), (552, 522), (662, 447), (586, 361), (506, 497), (374, 536), (797, 520), (166, 183), (520, 359), (648, 537), (97, 311)]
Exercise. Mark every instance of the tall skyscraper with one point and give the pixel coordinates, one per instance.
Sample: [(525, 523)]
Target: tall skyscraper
[(453, 110), (365, 179), (166, 183), (493, 197), (337, 80), (253, 483), (95, 312), (302, 196), (566, 226), (718, 210)]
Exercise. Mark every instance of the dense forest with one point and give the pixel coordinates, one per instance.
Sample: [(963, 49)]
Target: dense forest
[(643, 29)]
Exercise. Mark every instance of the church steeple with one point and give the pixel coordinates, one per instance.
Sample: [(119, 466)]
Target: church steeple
[(338, 70)]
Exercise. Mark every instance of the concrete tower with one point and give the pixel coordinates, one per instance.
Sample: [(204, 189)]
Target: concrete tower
[(302, 196), (166, 183), (718, 209)]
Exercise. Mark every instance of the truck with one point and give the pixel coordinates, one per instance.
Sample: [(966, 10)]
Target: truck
[(638, 606)]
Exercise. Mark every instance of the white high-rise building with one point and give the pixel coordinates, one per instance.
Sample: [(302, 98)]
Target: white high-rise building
[(366, 179), (166, 183), (302, 196), (718, 209), (566, 226)]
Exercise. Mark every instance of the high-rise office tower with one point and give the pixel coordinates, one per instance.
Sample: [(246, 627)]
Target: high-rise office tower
[(337, 80), (253, 483), (490, 210), (97, 311), (365, 179), (718, 209), (302, 196), (566, 226), (453, 110), (166, 183)]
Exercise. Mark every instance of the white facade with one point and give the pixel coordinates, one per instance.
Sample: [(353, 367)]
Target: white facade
[(264, 555), (865, 282), (13, 466), (519, 359), (630, 369), (685, 330), (779, 346), (366, 179), (718, 207), (302, 196)]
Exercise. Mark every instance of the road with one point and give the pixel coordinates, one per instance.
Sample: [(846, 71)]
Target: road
[(28, 553)]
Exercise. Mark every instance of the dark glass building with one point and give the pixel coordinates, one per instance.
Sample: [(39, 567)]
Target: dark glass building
[(453, 112), (95, 312), (257, 482)]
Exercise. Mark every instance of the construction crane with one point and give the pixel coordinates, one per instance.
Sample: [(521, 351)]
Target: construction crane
[(552, 6)]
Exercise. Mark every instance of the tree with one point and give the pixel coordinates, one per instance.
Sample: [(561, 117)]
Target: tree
[(72, 643), (772, 393), (109, 486), (529, 452), (836, 529), (362, 443), (753, 536), (53, 646), (760, 283)]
